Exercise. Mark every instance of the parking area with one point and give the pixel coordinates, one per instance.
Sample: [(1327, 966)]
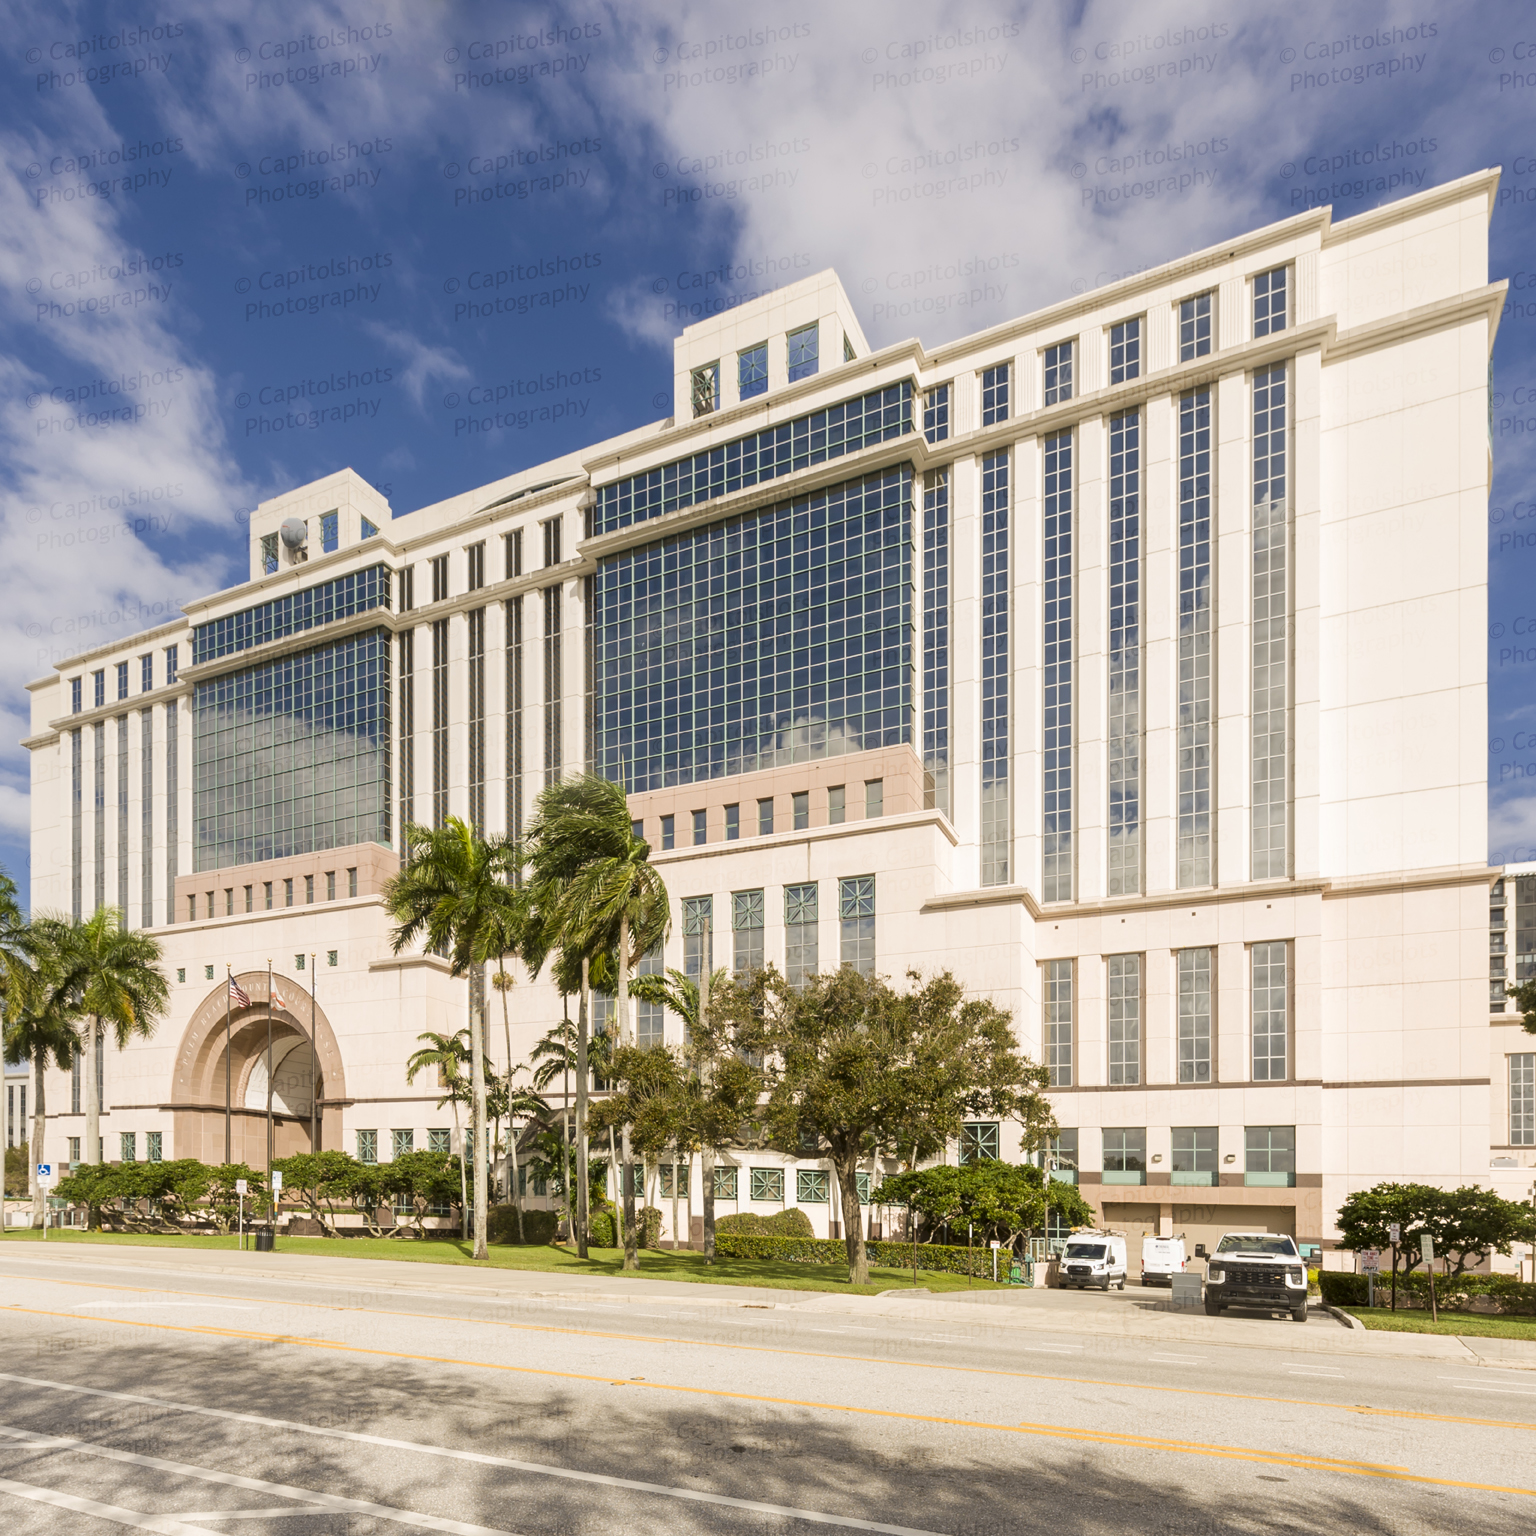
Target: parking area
[(1134, 1299)]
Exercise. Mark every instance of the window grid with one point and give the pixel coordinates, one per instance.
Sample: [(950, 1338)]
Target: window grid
[(698, 936), (768, 1184), (1195, 327), (856, 910), (407, 787), (438, 566), (996, 823), (269, 554), (1124, 1019), (330, 532), (827, 434), (765, 818), (511, 555), (778, 637), (812, 1186), (553, 686), (980, 1141), (289, 757), (1194, 1015), (360, 592), (936, 414), (122, 679), (1522, 1100), (936, 641), (1270, 1148), (1058, 373), (752, 371), (725, 1182), (994, 395), (747, 930), (1057, 1019), (173, 803), (802, 944), (514, 660), (476, 618), (122, 818), (475, 561), (1125, 1149), (1270, 814), (1269, 302), (804, 350), (367, 1146), (146, 818), (146, 672), (705, 389), (77, 827), (439, 721), (1056, 857), (1271, 1012), (1195, 601), (1196, 1149), (1125, 351), (1124, 745), (99, 802)]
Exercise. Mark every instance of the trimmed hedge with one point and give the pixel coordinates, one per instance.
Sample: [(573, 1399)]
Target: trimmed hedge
[(538, 1226), (792, 1222), (815, 1250), (1497, 1294), (601, 1231)]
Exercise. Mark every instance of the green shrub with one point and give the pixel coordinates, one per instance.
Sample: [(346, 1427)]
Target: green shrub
[(1342, 1290), (648, 1223), (1504, 1294), (792, 1222), (538, 1226), (601, 1231), (813, 1250)]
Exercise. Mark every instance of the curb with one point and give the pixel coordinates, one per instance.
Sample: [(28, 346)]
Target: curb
[(1348, 1319)]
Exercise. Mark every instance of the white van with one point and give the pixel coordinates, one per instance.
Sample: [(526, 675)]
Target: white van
[(1161, 1259), (1093, 1258)]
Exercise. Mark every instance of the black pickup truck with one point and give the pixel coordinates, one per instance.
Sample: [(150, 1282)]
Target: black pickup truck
[(1256, 1269)]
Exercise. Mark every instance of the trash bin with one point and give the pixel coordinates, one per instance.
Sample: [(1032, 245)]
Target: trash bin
[(264, 1241)]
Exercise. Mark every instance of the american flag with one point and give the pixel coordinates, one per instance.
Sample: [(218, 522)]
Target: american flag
[(237, 994)]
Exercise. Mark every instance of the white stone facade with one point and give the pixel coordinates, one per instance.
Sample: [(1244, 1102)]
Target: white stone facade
[(1376, 881)]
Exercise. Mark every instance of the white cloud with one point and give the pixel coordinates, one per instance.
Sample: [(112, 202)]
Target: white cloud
[(423, 363)]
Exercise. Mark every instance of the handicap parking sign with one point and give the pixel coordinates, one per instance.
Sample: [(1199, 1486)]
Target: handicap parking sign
[(45, 1173)]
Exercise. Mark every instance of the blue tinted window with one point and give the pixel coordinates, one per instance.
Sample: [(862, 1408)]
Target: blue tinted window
[(936, 414), (359, 592), (843, 428), (804, 351), (994, 395), (330, 531), (752, 370), (293, 756), (75, 704), (777, 637)]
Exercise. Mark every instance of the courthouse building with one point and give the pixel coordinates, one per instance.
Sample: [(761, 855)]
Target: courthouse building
[(1128, 658)]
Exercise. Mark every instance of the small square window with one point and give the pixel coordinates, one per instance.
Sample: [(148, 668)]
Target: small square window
[(725, 1183), (980, 1142), (837, 804), (936, 414), (367, 1146), (768, 1184), (668, 832), (1058, 373), (732, 823), (764, 817), (752, 371), (1269, 306), (700, 834), (704, 389), (1195, 327), (1125, 351), (804, 351), (181, 973), (800, 807), (874, 797), (330, 532), (994, 395), (351, 882), (208, 970), (812, 1186), (330, 885), (330, 956), (674, 1174), (298, 962), (403, 1142), (439, 1140)]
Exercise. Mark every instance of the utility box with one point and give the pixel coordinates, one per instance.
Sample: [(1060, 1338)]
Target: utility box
[(1186, 1287)]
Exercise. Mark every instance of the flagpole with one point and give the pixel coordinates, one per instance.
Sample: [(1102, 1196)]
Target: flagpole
[(314, 1144), (228, 980), (269, 1068)]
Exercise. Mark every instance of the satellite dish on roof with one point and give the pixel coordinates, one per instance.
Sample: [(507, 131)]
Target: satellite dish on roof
[(295, 532)]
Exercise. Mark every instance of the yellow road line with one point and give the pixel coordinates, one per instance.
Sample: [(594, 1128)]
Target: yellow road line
[(1299, 1460), (810, 1354)]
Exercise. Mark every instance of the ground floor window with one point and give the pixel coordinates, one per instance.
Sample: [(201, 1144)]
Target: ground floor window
[(403, 1142), (1522, 1101), (152, 1145), (812, 1186), (367, 1146), (674, 1174), (768, 1184), (130, 1145), (979, 1141), (725, 1183), (439, 1140)]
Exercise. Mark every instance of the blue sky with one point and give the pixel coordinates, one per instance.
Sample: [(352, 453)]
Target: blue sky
[(242, 246)]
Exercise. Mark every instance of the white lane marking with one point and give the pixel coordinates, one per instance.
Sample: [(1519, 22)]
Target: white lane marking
[(1052, 1349), (285, 1513), (1312, 1370), (310, 1496), (164, 1524), (181, 1306), (691, 1495), (1181, 1359), (1477, 1386)]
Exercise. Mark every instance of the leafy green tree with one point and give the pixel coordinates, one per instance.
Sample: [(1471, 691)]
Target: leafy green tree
[(1001, 1200), (594, 880), (1474, 1222), (856, 1064), (1466, 1224), (112, 979), (38, 1025), (96, 1186), (224, 1199), (322, 1180), (449, 1054), (454, 894)]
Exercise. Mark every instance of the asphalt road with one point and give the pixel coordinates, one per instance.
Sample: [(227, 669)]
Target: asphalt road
[(176, 1395)]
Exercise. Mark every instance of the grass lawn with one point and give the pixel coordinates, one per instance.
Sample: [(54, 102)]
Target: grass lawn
[(1466, 1324), (657, 1264)]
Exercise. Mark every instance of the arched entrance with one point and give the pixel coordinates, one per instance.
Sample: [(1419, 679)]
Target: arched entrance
[(215, 1058)]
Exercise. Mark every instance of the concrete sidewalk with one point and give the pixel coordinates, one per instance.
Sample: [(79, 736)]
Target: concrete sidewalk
[(1134, 1314)]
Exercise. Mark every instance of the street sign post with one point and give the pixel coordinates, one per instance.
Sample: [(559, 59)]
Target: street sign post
[(1394, 1236), (1370, 1263), (240, 1189), (1427, 1252), (995, 1246), (44, 1182)]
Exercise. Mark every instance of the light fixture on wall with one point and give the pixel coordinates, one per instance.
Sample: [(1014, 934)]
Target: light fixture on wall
[(1231, 1157), (1157, 1157)]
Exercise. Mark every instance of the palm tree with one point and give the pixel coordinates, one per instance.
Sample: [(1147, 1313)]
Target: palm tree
[(531, 1106), (454, 893), (555, 1054), (447, 1053), (112, 976), (605, 896), (37, 1026)]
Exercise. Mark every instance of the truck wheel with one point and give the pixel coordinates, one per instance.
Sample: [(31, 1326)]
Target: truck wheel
[(1300, 1314), (1105, 1286), (1212, 1308), (1122, 1282)]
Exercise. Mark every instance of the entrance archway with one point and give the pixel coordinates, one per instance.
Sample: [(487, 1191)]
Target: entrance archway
[(206, 1067)]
